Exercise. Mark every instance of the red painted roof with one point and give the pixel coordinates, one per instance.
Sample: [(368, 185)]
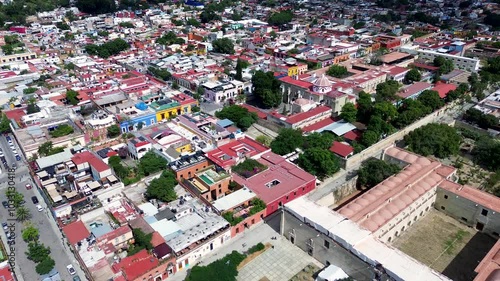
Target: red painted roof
[(290, 178), (226, 155), (425, 66), (135, 266), (353, 135), (115, 233), (15, 114), (298, 83), (318, 125), (6, 274), (443, 89), (76, 232), (414, 89), (341, 149), (157, 239), (184, 99), (94, 161), (308, 114)]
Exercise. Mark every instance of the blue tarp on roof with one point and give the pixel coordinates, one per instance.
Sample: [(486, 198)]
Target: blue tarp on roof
[(193, 3), (225, 123), (141, 106)]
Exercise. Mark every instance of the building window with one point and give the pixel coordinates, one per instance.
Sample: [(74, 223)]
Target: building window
[(484, 212), (464, 219), (326, 244), (445, 196), (443, 208)]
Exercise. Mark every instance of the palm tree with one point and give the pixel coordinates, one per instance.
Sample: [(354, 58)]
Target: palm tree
[(22, 213)]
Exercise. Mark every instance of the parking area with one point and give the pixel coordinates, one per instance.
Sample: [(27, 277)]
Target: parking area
[(445, 245), (279, 263)]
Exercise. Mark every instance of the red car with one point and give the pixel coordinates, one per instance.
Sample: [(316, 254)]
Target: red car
[(28, 186)]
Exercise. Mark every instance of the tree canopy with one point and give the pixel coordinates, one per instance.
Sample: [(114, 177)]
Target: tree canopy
[(483, 120), (387, 91), (318, 140), (338, 71), (439, 140), (413, 76), (487, 152), (239, 115), (349, 112), (280, 18), (169, 39), (223, 45), (431, 99), (151, 163), (96, 6), (319, 162), (374, 171), (30, 233), (37, 252), (266, 88), (113, 131), (162, 188), (223, 269), (287, 141), (107, 49), (445, 65), (45, 266)]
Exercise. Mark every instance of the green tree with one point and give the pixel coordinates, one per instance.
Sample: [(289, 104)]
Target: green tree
[(431, 99), (224, 269), (45, 148), (266, 88), (387, 91), (365, 107), (193, 22), (162, 188), (239, 115), (385, 110), (223, 45), (72, 97), (287, 141), (5, 124), (374, 171), (22, 213), (439, 140), (318, 140), (45, 266), (319, 162), (240, 65), (338, 71), (30, 234), (349, 112), (265, 140), (151, 163), (96, 6), (37, 252), (487, 153), (413, 76), (16, 198), (369, 138), (113, 131), (280, 18), (126, 24), (445, 65)]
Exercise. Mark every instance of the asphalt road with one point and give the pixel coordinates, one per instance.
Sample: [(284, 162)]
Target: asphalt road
[(49, 234)]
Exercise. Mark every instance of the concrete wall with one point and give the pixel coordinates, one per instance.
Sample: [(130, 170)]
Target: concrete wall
[(338, 194), (322, 248), (247, 223), (375, 149), (468, 212)]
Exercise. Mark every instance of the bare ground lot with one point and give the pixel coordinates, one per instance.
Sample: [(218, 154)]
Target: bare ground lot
[(445, 245)]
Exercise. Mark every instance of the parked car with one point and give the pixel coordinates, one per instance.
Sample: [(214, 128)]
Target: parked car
[(5, 204), (34, 199), (5, 226), (71, 269), (28, 186), (1, 153), (76, 278), (14, 166), (18, 158), (39, 207), (8, 138)]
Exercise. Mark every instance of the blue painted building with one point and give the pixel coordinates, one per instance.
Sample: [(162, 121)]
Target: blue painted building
[(135, 116)]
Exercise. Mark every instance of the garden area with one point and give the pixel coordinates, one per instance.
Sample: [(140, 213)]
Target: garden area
[(256, 205), (37, 252), (249, 168), (149, 164), (61, 130), (226, 268)]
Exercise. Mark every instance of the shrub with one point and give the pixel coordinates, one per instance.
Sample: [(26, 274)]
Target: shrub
[(256, 248)]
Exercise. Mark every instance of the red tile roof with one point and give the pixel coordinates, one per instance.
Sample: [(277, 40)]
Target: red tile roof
[(296, 118), (115, 233), (443, 89), (260, 113), (353, 135), (137, 265), (414, 89), (157, 239), (6, 274), (94, 161), (341, 149), (76, 232), (298, 83), (290, 178), (318, 125), (226, 155)]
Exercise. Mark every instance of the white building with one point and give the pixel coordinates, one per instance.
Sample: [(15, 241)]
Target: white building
[(219, 92), (465, 63)]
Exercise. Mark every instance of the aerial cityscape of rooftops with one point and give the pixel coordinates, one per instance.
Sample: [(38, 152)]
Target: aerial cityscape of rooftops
[(250, 140)]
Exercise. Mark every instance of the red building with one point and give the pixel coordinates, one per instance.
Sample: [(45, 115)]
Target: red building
[(236, 151), (145, 266), (280, 183)]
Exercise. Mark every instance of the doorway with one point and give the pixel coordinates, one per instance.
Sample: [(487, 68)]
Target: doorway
[(479, 226)]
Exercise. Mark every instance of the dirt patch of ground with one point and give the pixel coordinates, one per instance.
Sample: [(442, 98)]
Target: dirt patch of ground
[(307, 273), (445, 245), (250, 257)]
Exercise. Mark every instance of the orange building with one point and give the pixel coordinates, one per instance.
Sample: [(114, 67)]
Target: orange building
[(187, 166)]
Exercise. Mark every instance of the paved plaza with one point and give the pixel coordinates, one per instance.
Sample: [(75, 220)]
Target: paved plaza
[(280, 263)]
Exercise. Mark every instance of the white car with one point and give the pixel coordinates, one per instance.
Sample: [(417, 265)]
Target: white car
[(71, 269), (39, 207)]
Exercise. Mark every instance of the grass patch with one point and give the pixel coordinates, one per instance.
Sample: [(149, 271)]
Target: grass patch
[(449, 245)]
